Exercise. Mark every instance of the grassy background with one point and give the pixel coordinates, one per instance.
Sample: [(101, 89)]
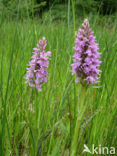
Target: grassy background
[(33, 123)]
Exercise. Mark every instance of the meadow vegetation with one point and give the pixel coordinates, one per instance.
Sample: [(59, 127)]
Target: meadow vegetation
[(42, 123)]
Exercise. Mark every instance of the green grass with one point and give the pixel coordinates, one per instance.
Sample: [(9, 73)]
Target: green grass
[(42, 123)]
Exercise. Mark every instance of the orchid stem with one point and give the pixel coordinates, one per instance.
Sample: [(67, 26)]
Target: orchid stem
[(80, 115)]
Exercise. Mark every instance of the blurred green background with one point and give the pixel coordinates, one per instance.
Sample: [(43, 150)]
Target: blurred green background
[(58, 8)]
